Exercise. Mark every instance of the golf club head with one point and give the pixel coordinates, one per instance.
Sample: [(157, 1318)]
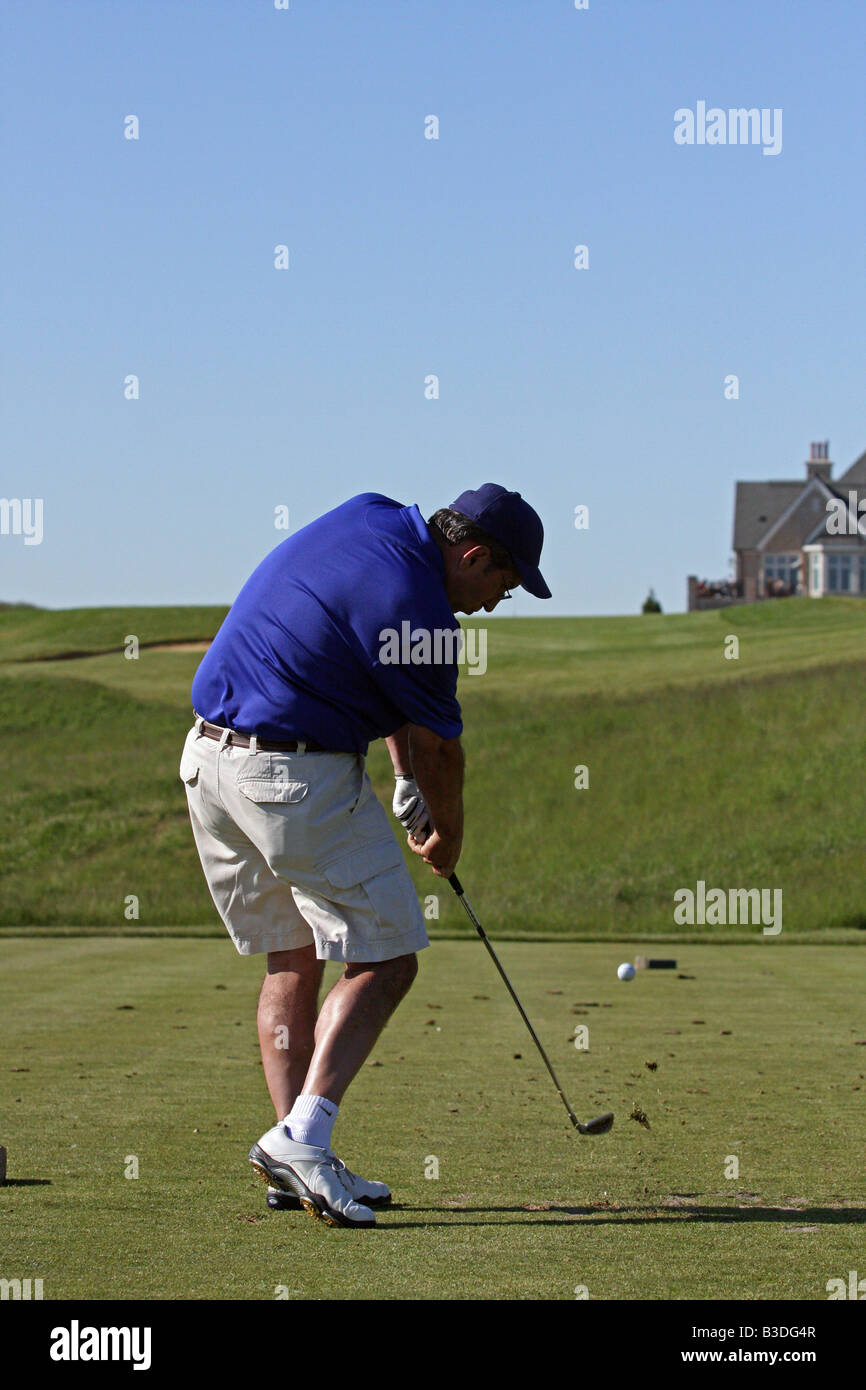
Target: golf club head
[(600, 1125)]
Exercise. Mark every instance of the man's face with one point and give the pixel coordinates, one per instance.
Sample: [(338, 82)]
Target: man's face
[(475, 582)]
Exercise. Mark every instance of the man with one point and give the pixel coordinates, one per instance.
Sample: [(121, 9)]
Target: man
[(297, 850)]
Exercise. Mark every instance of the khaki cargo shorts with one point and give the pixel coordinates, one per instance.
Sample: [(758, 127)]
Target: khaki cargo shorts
[(297, 848)]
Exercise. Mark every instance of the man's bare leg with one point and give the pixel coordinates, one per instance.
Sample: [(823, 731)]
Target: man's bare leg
[(287, 1022), (352, 1017)]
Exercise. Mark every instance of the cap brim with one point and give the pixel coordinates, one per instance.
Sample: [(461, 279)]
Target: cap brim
[(530, 578)]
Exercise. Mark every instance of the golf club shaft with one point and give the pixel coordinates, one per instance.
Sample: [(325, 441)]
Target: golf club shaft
[(458, 889)]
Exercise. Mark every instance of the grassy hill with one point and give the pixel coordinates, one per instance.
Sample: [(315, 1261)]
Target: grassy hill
[(743, 773), (28, 634)]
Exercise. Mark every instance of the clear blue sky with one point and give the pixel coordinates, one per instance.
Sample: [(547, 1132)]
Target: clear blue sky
[(411, 256)]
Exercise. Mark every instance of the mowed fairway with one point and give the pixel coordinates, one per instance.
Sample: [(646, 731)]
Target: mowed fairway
[(120, 1049)]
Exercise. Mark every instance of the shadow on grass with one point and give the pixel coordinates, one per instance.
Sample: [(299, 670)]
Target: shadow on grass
[(26, 1182), (651, 1214)]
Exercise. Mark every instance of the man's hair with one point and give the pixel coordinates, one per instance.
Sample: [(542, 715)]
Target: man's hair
[(454, 528)]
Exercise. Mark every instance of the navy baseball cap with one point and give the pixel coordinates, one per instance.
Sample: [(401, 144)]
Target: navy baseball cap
[(512, 522)]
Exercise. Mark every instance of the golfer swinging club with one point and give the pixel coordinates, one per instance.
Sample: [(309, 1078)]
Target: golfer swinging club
[(296, 848)]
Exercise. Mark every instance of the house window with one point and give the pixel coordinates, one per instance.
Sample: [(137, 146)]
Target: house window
[(863, 574), (780, 572), (839, 574)]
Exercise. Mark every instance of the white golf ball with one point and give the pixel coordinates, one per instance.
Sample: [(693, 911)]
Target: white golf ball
[(626, 971)]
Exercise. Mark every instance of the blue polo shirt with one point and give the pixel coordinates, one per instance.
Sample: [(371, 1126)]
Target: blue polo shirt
[(301, 653)]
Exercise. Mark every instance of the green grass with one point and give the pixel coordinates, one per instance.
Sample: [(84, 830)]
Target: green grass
[(633, 656), (120, 1048), (27, 634), (570, 655), (743, 773)]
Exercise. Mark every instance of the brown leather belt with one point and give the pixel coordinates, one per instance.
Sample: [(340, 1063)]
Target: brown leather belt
[(262, 744)]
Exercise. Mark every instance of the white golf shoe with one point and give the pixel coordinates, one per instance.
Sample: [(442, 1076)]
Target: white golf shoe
[(370, 1194), (315, 1175)]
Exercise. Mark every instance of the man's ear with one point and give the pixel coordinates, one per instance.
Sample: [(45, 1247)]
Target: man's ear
[(474, 555)]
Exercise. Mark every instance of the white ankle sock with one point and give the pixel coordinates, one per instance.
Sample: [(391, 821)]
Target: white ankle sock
[(311, 1120)]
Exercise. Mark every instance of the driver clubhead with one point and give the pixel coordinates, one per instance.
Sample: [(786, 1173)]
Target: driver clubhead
[(600, 1125)]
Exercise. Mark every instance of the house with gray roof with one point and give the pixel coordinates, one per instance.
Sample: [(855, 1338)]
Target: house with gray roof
[(804, 536)]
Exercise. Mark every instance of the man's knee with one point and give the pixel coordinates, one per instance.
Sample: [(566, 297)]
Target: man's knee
[(301, 962), (290, 993), (395, 975), (407, 969), (403, 970)]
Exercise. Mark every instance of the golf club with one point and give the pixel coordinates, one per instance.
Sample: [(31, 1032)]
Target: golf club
[(602, 1123)]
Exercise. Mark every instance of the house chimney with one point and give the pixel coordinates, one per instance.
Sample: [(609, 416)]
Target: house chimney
[(819, 465)]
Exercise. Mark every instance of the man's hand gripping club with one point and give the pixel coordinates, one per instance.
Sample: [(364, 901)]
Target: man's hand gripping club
[(428, 800)]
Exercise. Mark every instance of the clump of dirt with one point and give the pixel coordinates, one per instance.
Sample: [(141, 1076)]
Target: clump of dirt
[(639, 1115)]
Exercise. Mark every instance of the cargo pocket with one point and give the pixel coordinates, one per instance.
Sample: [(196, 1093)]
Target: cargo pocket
[(189, 768), (363, 865), (270, 784), (371, 891)]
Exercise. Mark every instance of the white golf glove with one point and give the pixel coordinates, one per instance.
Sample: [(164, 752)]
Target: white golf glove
[(410, 808)]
